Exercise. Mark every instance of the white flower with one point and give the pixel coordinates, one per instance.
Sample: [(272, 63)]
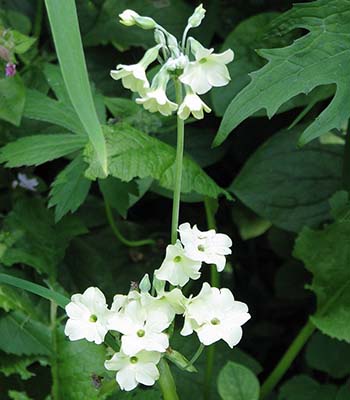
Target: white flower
[(142, 327), (196, 18), (155, 99), (209, 247), (192, 104), (88, 316), (24, 182), (215, 315), (207, 70), (132, 370), (176, 267), (134, 76)]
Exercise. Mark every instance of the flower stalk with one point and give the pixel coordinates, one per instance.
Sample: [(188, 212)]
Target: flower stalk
[(166, 381)]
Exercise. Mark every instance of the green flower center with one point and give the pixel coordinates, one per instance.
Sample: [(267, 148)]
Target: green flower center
[(177, 259), (93, 318), (201, 247), (215, 321), (203, 61), (140, 333), (133, 360)]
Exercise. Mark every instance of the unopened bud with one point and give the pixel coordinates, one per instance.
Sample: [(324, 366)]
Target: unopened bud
[(145, 22), (159, 37), (127, 17), (197, 17)]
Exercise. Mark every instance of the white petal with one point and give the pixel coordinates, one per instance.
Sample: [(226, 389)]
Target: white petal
[(75, 330), (209, 334), (126, 379), (232, 335), (147, 374)]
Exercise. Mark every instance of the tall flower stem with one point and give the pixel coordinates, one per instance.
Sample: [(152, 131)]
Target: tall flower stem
[(346, 161), (210, 208), (287, 359), (178, 165), (166, 381)]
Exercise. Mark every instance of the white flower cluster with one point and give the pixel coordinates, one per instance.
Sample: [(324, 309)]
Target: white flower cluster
[(197, 68), (143, 320)]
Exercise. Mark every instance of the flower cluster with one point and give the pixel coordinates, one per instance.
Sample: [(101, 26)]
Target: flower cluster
[(197, 68), (142, 321)]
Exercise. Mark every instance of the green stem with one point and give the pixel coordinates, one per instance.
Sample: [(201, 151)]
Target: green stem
[(38, 18), (178, 165), (119, 236), (196, 355), (346, 161), (166, 381), (54, 365), (287, 359), (210, 208)]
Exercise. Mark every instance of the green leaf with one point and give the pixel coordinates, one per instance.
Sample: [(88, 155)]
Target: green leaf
[(320, 57), (71, 56), (43, 108), (132, 153), (288, 186), (12, 99), (249, 224), (38, 241), (69, 189), (302, 387), (15, 395), (55, 79), (11, 364), (236, 382), (326, 254), (22, 335), (22, 42), (38, 149), (328, 355), (77, 364)]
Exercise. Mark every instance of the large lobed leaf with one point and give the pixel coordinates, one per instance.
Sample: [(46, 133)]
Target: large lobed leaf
[(326, 254), (319, 58), (132, 154)]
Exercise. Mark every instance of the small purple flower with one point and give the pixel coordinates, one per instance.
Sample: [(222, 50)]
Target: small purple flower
[(10, 69)]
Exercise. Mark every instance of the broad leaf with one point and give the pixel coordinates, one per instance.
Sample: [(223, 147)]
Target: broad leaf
[(71, 56), (289, 186), (236, 382), (37, 240), (328, 355), (132, 154), (69, 189), (77, 363), (320, 57), (326, 254), (22, 335), (12, 99), (38, 149)]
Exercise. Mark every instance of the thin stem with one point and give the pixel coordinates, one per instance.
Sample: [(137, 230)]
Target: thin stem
[(287, 359), (209, 372), (178, 165), (54, 366), (346, 161), (166, 381), (196, 355), (38, 18), (118, 234)]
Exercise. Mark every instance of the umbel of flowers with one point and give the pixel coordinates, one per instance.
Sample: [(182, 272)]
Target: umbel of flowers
[(197, 68), (141, 321)]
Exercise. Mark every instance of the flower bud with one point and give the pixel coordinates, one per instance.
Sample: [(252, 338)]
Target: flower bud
[(145, 22), (159, 37), (196, 18), (127, 17)]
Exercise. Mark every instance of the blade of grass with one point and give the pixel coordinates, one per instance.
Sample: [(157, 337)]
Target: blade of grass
[(65, 30)]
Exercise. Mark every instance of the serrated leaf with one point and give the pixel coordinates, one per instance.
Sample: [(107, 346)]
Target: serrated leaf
[(236, 382), (38, 149), (11, 364), (326, 254), (320, 57), (328, 355), (69, 189), (303, 387), (132, 154), (43, 108), (77, 364), (39, 242), (22, 42), (289, 186), (22, 335), (12, 99)]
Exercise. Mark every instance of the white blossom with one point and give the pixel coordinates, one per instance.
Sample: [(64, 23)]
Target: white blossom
[(177, 268), (215, 315), (134, 76), (192, 104), (155, 99), (132, 370), (142, 327), (208, 69), (88, 316), (130, 18), (209, 246), (24, 182)]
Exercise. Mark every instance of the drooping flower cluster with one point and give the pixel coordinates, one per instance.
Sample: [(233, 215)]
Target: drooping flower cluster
[(198, 69), (142, 321)]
